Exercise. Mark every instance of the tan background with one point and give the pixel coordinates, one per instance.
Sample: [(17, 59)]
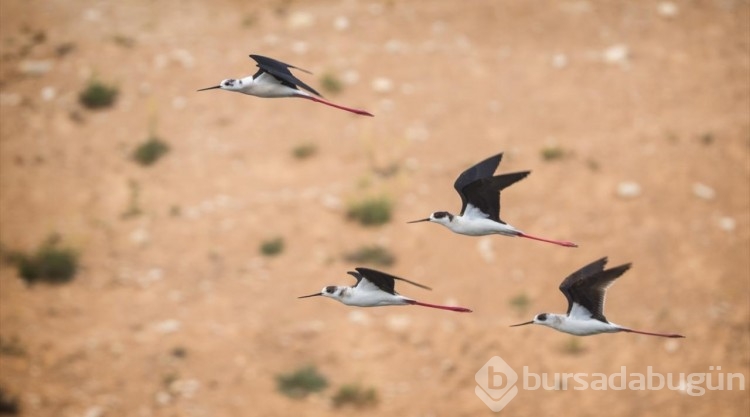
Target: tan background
[(628, 90)]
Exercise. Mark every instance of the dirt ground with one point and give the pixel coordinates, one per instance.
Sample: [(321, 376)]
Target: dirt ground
[(175, 311)]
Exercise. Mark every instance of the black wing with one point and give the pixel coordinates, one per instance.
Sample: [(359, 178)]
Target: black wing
[(281, 72), (588, 286), (484, 193), (385, 282), (484, 169)]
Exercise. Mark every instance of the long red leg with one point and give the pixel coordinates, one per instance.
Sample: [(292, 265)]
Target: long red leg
[(328, 103), (450, 308), (556, 242), (652, 334)]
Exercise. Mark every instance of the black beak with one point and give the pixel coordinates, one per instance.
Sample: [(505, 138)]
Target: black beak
[(311, 295), (422, 220), (210, 88), (523, 324)]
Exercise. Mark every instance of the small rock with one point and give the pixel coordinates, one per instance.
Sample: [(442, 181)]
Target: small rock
[(300, 20), (330, 201), (341, 23), (667, 9), (48, 93), (628, 189), (398, 323), (559, 60), (359, 317), (35, 67), (671, 346), (139, 236), (394, 46), (727, 224), (417, 133), (300, 47), (484, 245), (179, 103), (95, 411), (703, 191), (167, 326), (163, 398), (350, 77), (616, 54), (382, 85), (185, 388)]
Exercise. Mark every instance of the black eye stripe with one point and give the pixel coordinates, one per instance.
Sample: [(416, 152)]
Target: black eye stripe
[(331, 289), (542, 317)]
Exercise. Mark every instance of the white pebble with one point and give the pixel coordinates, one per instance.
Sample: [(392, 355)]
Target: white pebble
[(48, 93), (703, 191), (35, 67), (417, 133), (341, 23), (398, 322), (382, 85), (667, 9), (299, 47), (628, 189), (559, 60), (167, 326), (616, 54), (484, 245), (727, 224), (301, 20), (359, 317), (350, 77), (139, 236)]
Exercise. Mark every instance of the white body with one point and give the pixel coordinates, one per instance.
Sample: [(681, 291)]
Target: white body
[(359, 297), (578, 326), (265, 86), (475, 226)]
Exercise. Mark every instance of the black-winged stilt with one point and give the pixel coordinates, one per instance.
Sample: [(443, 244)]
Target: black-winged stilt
[(586, 290), (374, 289), (480, 198), (274, 80)]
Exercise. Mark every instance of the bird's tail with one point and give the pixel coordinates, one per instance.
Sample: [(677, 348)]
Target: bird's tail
[(449, 308)]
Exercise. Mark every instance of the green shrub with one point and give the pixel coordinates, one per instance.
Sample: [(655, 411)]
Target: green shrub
[(150, 151), (331, 84), (373, 255), (98, 95), (304, 150), (272, 247), (552, 153), (300, 383), (355, 395), (50, 264), (371, 211), (520, 302)]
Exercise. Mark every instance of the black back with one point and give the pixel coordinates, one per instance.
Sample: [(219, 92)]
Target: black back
[(484, 193), (385, 282), (484, 169), (280, 71), (588, 286)]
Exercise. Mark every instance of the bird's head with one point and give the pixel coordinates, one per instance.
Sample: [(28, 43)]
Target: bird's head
[(330, 291), (441, 217), (229, 84), (545, 319)]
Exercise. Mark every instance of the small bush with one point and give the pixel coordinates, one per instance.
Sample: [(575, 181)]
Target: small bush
[(356, 396), (573, 346), (50, 264), (98, 95), (301, 382), (272, 247), (520, 302), (8, 404), (150, 151), (331, 84), (11, 347), (304, 151), (552, 153), (371, 211), (373, 255)]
